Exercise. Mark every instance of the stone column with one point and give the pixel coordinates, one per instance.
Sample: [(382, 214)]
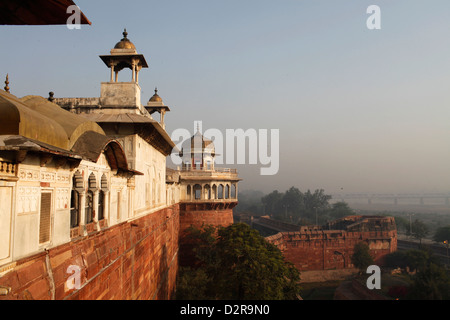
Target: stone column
[(82, 221), (133, 71), (163, 112), (112, 72), (138, 68), (106, 200), (95, 208)]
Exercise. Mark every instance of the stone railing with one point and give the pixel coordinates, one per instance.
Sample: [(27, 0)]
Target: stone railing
[(8, 168), (204, 169)]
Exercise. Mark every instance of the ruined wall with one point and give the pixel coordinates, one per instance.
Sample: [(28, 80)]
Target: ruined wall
[(315, 249), (137, 259)]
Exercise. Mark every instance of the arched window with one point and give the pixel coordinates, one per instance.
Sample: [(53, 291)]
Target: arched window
[(220, 192), (188, 193), (74, 209), (207, 192), (227, 191), (101, 198), (101, 205), (89, 207), (197, 192), (214, 192), (233, 191), (77, 185)]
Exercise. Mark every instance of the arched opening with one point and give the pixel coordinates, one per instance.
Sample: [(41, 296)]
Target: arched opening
[(233, 191), (77, 186), (197, 192), (188, 192), (101, 197), (89, 206), (220, 192), (227, 191), (207, 192)]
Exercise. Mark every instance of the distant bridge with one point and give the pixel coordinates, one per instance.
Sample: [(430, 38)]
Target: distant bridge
[(395, 198)]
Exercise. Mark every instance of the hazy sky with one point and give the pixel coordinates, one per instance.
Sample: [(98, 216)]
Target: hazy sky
[(358, 109)]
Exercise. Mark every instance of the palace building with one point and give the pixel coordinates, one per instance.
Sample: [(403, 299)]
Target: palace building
[(88, 208)]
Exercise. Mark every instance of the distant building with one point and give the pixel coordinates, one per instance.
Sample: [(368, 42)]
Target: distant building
[(88, 209)]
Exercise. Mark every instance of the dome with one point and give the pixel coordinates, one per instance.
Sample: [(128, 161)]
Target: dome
[(155, 97), (125, 43), (198, 144)]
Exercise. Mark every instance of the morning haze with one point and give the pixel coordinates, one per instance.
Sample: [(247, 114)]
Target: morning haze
[(357, 110)]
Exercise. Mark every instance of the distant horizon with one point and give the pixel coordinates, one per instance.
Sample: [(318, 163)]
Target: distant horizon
[(344, 192)]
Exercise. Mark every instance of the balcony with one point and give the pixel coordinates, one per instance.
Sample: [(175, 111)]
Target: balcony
[(8, 168), (199, 173)]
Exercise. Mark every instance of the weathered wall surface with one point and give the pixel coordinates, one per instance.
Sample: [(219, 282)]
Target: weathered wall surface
[(137, 259), (199, 214), (331, 249)]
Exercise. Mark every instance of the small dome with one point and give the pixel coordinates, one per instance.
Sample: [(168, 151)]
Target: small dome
[(155, 97), (198, 144), (125, 43)]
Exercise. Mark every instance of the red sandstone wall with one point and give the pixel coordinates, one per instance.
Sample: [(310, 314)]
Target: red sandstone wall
[(189, 216), (134, 260), (322, 251), (222, 217)]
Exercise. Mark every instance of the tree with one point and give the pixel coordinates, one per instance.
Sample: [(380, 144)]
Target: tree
[(273, 202), (418, 230), (315, 202), (396, 259), (442, 234), (296, 207), (402, 223), (340, 210), (240, 265), (361, 257), (430, 283), (418, 259), (415, 259), (293, 203)]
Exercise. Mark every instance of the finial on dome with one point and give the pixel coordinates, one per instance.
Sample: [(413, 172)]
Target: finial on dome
[(125, 33), (6, 83)]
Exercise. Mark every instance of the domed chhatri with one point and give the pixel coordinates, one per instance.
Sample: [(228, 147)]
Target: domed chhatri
[(155, 104), (124, 55), (125, 43), (156, 97)]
